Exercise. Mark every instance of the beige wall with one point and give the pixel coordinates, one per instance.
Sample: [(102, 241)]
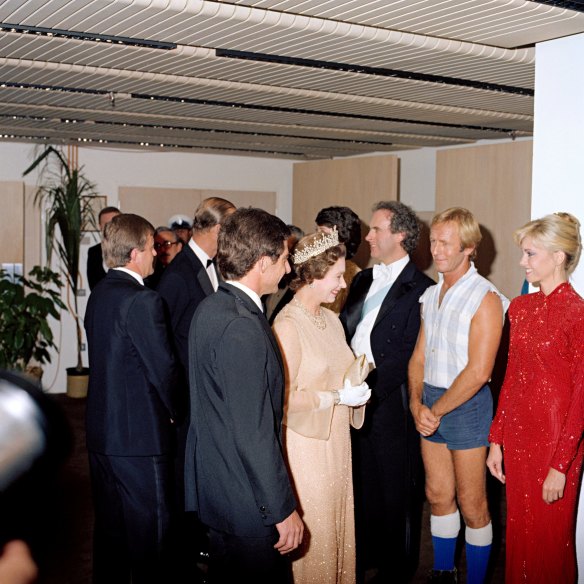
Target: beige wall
[(494, 182)]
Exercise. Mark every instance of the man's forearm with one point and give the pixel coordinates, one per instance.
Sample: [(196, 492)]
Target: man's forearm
[(464, 387), (415, 385)]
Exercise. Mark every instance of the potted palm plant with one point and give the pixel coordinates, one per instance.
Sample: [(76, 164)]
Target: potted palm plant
[(25, 305), (65, 194)]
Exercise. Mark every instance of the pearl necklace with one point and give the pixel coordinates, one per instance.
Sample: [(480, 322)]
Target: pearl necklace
[(318, 320)]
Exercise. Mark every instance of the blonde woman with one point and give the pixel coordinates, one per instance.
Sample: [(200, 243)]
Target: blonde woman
[(540, 417)]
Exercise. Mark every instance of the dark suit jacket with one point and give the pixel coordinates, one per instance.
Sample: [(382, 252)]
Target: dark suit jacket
[(235, 475), (95, 271), (395, 331), (132, 370), (183, 284)]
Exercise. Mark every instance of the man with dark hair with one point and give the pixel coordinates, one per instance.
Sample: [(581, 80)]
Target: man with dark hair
[(347, 223), (96, 268), (236, 477), (130, 411), (348, 226), (273, 303), (188, 279), (381, 319)]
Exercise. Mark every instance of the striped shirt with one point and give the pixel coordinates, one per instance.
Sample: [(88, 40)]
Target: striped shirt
[(447, 327)]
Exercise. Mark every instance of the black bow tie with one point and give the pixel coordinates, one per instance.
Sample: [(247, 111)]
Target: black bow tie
[(209, 262)]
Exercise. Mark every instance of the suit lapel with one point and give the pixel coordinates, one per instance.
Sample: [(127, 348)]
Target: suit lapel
[(272, 338), (357, 298), (398, 289), (205, 281)]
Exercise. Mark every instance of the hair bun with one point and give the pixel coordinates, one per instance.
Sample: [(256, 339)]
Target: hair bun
[(568, 217)]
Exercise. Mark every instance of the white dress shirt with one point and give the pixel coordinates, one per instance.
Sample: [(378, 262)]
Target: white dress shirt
[(384, 275), (203, 257)]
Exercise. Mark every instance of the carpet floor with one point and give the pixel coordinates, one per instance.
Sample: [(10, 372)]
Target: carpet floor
[(65, 534)]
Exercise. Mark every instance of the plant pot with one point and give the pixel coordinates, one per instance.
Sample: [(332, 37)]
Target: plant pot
[(77, 382)]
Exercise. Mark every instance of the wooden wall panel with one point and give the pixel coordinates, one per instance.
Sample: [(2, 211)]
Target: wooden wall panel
[(34, 237), (357, 183), (12, 222), (494, 182), (159, 204), (262, 199)]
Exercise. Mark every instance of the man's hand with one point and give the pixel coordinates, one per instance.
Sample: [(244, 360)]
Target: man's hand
[(553, 486), (426, 422), (291, 531), (495, 462)]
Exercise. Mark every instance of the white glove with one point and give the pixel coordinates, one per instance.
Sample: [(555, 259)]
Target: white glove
[(354, 395)]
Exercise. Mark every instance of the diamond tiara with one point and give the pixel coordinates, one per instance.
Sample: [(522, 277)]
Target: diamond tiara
[(326, 241)]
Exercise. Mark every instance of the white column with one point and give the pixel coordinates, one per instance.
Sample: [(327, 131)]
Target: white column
[(558, 161), (558, 145)]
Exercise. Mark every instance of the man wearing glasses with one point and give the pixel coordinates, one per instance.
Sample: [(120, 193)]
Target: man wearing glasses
[(167, 245)]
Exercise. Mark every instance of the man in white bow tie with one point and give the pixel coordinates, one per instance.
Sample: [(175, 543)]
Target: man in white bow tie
[(381, 319)]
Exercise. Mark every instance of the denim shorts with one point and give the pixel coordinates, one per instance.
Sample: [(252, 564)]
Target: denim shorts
[(468, 425)]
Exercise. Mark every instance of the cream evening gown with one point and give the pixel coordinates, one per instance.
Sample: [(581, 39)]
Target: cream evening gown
[(318, 445)]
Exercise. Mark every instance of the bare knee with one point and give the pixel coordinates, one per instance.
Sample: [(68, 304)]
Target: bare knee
[(474, 510), (442, 501)]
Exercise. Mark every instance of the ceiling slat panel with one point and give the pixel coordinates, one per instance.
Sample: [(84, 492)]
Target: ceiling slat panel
[(463, 70)]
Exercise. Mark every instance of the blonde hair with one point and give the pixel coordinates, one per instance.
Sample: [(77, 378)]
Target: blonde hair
[(556, 232), (468, 227)]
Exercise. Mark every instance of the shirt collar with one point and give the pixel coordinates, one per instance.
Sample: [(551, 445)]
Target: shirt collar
[(390, 271), (471, 270), (134, 275), (253, 295), (202, 255)]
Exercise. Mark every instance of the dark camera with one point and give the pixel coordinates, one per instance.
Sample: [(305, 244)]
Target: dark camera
[(35, 438)]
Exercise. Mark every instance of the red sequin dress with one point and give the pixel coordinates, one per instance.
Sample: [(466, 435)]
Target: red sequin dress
[(539, 423)]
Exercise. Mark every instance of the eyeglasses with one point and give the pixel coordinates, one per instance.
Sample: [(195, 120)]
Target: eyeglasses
[(166, 244)]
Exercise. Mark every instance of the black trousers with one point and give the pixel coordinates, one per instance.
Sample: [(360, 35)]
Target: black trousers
[(134, 509), (388, 476), (246, 559)]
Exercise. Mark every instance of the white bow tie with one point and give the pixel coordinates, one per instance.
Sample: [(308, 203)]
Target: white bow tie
[(381, 271)]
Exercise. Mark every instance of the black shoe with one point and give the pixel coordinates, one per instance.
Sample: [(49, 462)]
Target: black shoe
[(442, 577)]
